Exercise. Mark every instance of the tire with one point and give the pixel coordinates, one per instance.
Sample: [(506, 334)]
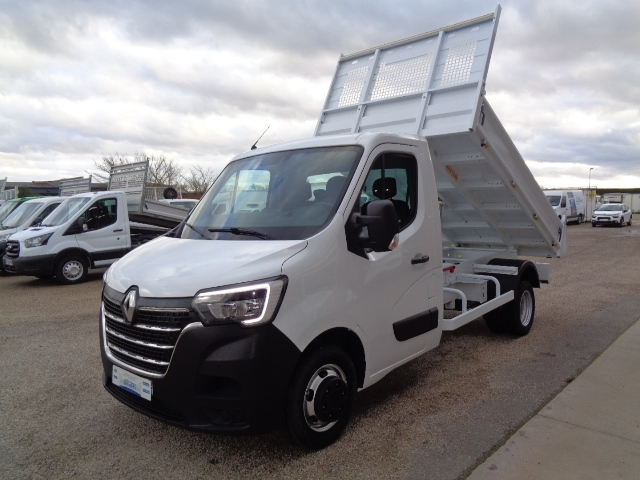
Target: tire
[(495, 321), (629, 224), (71, 269), (621, 224), (170, 193), (320, 398), (516, 317), (593, 224)]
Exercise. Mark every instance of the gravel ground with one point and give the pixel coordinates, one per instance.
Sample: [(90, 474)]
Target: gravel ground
[(436, 417)]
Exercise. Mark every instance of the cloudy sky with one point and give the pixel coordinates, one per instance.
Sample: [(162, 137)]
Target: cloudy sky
[(199, 81)]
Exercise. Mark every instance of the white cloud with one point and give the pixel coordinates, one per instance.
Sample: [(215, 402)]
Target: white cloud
[(200, 81)]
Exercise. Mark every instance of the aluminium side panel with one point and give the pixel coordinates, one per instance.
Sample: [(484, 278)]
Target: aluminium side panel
[(73, 186), (131, 179), (429, 84), (490, 198)]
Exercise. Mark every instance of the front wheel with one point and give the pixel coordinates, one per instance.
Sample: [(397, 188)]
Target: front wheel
[(629, 224), (593, 224), (71, 269), (621, 224), (321, 397)]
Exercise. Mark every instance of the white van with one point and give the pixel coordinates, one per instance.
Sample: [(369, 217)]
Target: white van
[(28, 214), (570, 203)]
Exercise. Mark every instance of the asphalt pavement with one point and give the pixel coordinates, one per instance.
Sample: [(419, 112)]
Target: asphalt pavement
[(590, 430)]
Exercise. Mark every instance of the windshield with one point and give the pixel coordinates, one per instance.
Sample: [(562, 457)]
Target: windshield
[(64, 212), (6, 208), (554, 200), (287, 195), (21, 214), (610, 208)]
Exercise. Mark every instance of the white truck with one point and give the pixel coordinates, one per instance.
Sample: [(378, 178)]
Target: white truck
[(92, 229), (410, 200), (568, 203)]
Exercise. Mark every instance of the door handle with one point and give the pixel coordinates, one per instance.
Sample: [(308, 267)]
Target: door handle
[(118, 230), (418, 259)]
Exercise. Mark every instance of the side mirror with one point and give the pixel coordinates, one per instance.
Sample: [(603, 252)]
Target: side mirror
[(381, 221), (82, 225)]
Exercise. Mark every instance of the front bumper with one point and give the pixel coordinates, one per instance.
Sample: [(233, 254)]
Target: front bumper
[(34, 266), (605, 221), (224, 379)]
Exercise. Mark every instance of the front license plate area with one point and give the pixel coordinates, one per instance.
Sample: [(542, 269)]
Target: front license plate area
[(132, 383)]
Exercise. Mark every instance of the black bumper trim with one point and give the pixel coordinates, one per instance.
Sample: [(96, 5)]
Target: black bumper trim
[(40, 265), (222, 379)]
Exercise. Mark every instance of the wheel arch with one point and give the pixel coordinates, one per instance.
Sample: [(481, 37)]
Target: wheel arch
[(73, 251), (527, 270), (347, 340)]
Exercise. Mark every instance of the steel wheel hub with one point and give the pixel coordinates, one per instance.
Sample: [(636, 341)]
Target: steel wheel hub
[(526, 308), (72, 270), (326, 398)]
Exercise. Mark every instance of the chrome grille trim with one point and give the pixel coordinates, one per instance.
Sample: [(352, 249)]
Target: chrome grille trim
[(156, 329), (163, 310), (138, 342), (138, 357), (114, 318), (146, 337)]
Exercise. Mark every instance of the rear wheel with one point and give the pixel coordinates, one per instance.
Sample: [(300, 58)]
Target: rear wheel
[(71, 269), (516, 317), (321, 397)]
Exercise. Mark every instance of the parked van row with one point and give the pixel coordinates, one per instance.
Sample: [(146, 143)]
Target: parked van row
[(27, 213)]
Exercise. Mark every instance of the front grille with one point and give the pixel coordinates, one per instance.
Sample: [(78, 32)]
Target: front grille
[(13, 249), (148, 343)]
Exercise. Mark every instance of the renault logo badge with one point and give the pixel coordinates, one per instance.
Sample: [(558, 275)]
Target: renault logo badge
[(129, 305)]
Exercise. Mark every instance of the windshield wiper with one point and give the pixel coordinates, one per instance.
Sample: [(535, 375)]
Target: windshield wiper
[(243, 231), (197, 231)]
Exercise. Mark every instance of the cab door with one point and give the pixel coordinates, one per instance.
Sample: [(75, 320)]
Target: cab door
[(398, 313), (105, 238)]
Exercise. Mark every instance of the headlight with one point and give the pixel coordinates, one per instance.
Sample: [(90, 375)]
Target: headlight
[(37, 241), (249, 304)]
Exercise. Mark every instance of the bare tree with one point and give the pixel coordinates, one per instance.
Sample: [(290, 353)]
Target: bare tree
[(198, 180)]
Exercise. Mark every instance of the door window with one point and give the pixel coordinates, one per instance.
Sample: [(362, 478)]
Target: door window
[(101, 214), (393, 176)]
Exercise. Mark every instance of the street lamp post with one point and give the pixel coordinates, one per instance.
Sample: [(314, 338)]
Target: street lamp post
[(589, 194)]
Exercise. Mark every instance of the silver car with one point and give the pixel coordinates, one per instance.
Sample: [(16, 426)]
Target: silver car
[(611, 214)]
